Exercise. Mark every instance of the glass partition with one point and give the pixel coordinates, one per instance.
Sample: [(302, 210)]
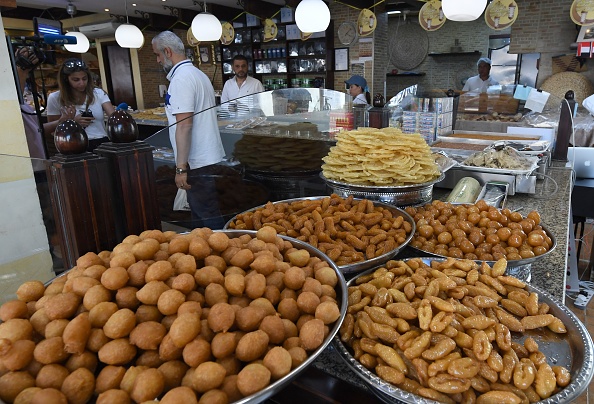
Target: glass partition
[(274, 143), (29, 245)]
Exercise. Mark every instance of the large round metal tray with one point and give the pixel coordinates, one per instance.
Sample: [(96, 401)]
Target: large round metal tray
[(510, 263), (341, 299), (405, 195), (573, 350), (357, 266)]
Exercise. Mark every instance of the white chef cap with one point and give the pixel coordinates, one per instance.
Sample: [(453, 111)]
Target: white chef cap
[(484, 60)]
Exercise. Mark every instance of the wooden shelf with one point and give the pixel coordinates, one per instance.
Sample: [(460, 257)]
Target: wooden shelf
[(473, 53), (404, 74)]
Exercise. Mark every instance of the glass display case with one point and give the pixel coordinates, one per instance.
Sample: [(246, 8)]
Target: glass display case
[(274, 144)]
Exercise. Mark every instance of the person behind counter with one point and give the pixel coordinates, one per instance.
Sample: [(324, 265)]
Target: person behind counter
[(240, 86), (79, 99), (193, 128), (481, 82), (358, 90)]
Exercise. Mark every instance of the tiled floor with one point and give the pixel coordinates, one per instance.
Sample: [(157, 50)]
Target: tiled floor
[(585, 315)]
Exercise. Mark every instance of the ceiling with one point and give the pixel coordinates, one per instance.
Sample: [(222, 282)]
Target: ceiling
[(183, 10)]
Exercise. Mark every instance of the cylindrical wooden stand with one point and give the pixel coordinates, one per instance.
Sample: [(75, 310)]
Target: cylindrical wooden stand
[(136, 207), (82, 199)]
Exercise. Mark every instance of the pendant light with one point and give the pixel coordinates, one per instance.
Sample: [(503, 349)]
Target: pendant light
[(82, 42), (312, 16), (129, 35), (463, 10), (206, 27)]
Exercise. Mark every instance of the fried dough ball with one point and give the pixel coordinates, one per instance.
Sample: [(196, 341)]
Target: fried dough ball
[(275, 329), (12, 383), (214, 396), (117, 352), (295, 278), (184, 329), (215, 293), (223, 344), (120, 324), (62, 305), (252, 378), (101, 312), (148, 335), (50, 350), (208, 275), (278, 361), (87, 359), (252, 346), (197, 352), (289, 309), (255, 285), (234, 284), (113, 396), (208, 376), (49, 396), (221, 317), (312, 334), (328, 312), (179, 395), (173, 372), (76, 333), (298, 356), (95, 295), (109, 378), (159, 271), (26, 395), (149, 293), (13, 309), (148, 385), (115, 278), (16, 355), (249, 318), (78, 387), (170, 300), (51, 376)]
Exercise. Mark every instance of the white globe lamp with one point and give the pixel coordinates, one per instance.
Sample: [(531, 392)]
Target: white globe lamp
[(463, 10), (129, 36), (206, 27), (82, 43), (312, 16)]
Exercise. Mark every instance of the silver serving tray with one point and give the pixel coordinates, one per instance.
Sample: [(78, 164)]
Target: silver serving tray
[(573, 350), (341, 298), (510, 263), (357, 266), (383, 188)]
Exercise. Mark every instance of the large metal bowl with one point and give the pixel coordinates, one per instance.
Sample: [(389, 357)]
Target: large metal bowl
[(341, 298), (405, 195), (574, 350), (362, 265)]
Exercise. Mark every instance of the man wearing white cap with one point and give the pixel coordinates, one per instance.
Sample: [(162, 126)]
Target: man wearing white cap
[(481, 82)]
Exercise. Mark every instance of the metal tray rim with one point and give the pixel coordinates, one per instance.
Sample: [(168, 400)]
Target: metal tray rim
[(579, 383), (383, 188)]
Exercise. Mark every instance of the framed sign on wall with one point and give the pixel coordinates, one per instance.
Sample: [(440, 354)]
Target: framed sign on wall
[(341, 59)]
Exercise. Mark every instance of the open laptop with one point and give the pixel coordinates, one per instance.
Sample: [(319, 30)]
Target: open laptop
[(583, 161)]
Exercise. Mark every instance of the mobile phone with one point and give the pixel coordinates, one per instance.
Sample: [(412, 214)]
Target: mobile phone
[(87, 114)]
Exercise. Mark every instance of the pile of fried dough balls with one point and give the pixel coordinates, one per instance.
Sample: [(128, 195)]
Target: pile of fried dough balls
[(197, 317)]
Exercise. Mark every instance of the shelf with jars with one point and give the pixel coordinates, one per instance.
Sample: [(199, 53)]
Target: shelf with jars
[(284, 61)]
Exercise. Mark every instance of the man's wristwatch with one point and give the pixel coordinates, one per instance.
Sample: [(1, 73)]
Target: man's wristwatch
[(180, 170)]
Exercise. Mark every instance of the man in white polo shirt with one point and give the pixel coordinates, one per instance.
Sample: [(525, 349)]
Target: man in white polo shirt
[(234, 98), (481, 82)]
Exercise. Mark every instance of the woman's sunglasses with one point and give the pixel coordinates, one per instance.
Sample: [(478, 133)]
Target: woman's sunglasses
[(73, 65)]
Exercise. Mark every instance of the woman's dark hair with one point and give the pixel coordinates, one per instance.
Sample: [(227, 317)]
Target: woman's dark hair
[(368, 97), (67, 95)]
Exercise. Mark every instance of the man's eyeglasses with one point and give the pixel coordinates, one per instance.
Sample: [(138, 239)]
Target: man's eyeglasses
[(74, 64)]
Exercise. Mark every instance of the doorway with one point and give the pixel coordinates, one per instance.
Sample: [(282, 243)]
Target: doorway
[(118, 72)]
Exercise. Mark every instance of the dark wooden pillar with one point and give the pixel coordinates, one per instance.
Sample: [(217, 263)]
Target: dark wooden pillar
[(135, 187), (82, 198)]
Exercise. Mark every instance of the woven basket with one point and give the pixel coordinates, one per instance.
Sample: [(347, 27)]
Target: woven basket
[(560, 83), (408, 46)]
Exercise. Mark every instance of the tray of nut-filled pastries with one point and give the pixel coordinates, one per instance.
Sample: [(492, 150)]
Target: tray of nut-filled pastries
[(446, 330)]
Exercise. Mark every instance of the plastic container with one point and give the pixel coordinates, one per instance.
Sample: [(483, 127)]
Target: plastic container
[(465, 191)]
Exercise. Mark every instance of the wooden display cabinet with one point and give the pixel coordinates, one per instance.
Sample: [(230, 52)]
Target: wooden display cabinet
[(282, 62)]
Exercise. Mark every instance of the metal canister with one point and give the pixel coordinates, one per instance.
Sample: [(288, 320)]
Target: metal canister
[(465, 191)]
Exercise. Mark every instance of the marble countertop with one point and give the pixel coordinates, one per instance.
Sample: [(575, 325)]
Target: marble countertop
[(548, 274)]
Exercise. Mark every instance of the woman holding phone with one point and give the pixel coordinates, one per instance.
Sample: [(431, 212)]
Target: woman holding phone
[(80, 100)]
